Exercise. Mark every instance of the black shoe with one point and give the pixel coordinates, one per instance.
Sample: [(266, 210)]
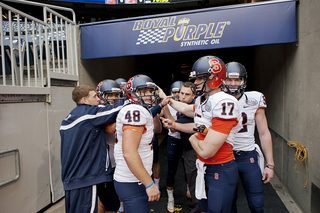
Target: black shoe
[(193, 208), (190, 206)]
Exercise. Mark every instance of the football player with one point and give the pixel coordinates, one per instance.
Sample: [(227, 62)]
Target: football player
[(182, 149), (174, 146), (108, 92), (246, 151), (217, 118), (175, 89), (133, 150), (155, 142)]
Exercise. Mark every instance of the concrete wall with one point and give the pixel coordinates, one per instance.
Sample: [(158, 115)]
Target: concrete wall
[(288, 76)]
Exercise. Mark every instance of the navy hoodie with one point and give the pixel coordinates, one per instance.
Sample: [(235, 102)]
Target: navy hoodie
[(84, 156)]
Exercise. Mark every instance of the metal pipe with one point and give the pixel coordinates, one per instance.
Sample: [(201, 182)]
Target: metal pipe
[(278, 134)]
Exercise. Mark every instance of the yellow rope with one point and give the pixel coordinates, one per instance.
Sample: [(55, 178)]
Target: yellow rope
[(301, 155)]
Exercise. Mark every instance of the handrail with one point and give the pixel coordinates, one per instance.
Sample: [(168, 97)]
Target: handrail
[(278, 134), (59, 15), (22, 13), (47, 5)]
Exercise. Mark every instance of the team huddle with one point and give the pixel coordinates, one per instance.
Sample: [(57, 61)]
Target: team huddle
[(109, 143)]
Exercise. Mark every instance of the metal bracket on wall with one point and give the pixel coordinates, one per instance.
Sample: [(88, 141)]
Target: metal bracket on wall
[(21, 98), (17, 165)]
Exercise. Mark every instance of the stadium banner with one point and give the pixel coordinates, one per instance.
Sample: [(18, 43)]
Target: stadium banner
[(257, 24)]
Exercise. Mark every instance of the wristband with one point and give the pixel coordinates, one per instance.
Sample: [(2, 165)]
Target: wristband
[(150, 185), (174, 125), (270, 167), (110, 129)]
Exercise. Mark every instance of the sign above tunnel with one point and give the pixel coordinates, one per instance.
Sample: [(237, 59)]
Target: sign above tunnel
[(213, 28)]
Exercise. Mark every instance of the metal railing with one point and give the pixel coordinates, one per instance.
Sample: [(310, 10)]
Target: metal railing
[(33, 51)]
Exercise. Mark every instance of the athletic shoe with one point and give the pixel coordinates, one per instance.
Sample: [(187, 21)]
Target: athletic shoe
[(170, 205), (120, 208)]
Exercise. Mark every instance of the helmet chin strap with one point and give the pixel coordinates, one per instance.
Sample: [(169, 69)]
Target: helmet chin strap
[(144, 104), (203, 89)]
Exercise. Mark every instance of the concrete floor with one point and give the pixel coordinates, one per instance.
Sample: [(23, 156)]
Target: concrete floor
[(277, 197)]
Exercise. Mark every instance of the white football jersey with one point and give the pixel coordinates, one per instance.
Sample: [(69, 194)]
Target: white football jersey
[(173, 113), (250, 103), (135, 115), (219, 105)]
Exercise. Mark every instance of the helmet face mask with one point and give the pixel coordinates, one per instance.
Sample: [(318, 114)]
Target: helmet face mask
[(106, 88), (140, 89), (213, 71), (200, 85), (112, 97), (238, 73)]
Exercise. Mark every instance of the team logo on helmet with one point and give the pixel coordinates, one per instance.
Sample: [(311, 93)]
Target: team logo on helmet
[(215, 66), (98, 87), (129, 85)]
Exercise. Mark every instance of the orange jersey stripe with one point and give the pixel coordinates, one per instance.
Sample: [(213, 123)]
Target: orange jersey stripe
[(201, 136), (144, 127), (225, 153), (259, 108), (223, 126)]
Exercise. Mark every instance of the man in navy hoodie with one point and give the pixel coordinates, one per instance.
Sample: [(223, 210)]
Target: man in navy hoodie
[(84, 156)]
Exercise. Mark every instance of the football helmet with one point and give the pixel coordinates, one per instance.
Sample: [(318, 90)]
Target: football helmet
[(136, 91), (212, 69), (121, 81), (175, 87), (105, 88), (235, 70)]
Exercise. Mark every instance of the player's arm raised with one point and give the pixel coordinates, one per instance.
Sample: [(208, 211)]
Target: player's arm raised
[(184, 108), (130, 143)]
